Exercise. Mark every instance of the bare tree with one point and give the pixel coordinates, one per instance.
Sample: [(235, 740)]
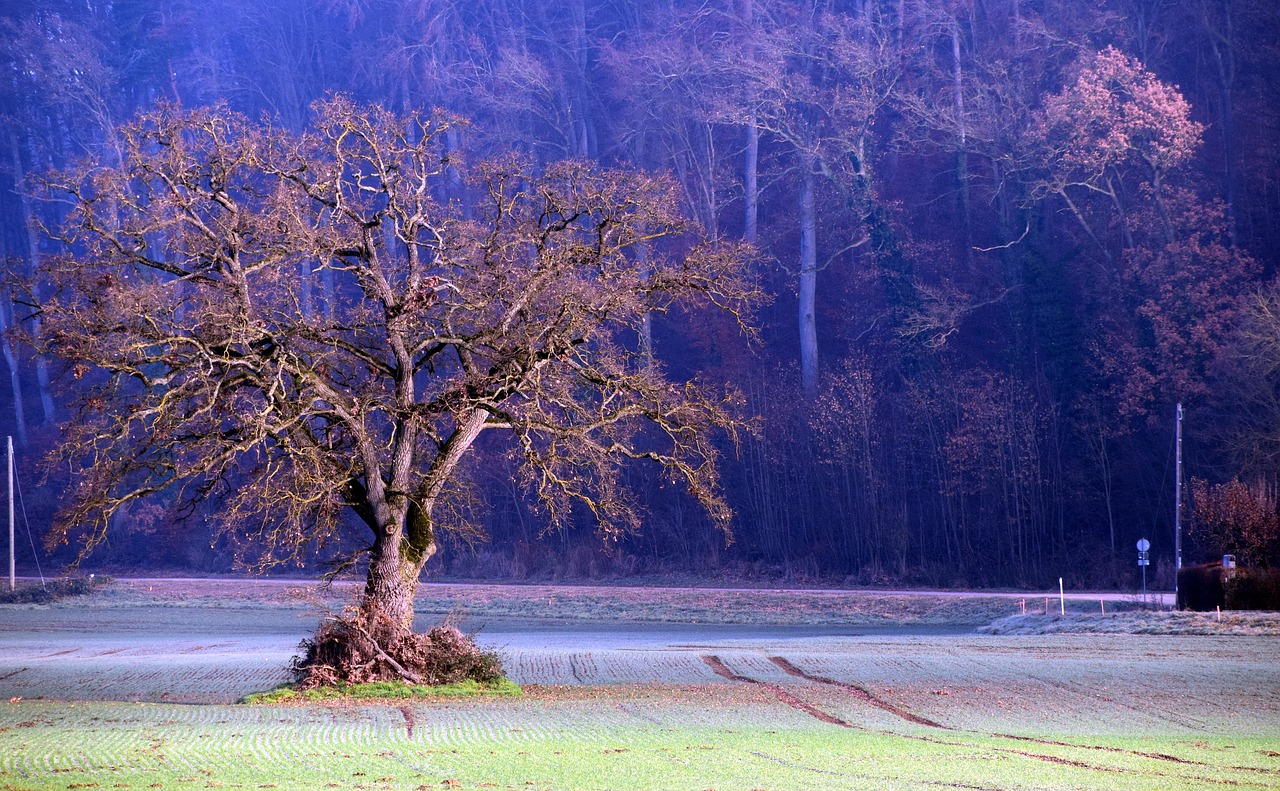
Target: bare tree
[(177, 305)]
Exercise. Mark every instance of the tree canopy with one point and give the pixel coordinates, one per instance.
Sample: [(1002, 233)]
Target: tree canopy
[(309, 325)]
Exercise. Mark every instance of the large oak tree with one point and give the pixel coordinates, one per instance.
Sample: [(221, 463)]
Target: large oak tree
[(178, 301)]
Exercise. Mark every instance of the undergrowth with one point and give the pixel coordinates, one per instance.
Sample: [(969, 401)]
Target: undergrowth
[(53, 590), (361, 649), (385, 690)]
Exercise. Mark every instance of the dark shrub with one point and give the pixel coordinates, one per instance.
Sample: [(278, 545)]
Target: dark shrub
[(1200, 587), (52, 590), (1253, 589)]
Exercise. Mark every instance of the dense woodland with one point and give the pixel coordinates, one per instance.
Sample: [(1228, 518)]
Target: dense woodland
[(1002, 239)]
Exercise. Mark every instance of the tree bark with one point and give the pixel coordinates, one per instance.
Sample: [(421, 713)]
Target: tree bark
[(33, 252), (962, 140), (751, 182), (392, 580), (15, 380), (808, 280)]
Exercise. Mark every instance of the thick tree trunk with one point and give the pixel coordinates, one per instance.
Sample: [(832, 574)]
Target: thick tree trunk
[(392, 581)]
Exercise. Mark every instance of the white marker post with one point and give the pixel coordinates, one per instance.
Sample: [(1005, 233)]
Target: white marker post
[(1062, 597)]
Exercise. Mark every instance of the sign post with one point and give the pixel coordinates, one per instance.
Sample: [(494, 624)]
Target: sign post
[(1144, 561)]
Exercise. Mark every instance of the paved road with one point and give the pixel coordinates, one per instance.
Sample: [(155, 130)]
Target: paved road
[(1161, 598)]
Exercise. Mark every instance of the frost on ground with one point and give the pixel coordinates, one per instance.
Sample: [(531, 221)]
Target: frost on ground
[(641, 705), (583, 603), (1258, 624)]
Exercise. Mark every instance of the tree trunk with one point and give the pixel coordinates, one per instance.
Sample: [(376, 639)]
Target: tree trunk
[(33, 252), (15, 380), (392, 581), (751, 182), (808, 280), (962, 140)]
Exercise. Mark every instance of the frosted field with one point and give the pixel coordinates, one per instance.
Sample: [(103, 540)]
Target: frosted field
[(618, 705)]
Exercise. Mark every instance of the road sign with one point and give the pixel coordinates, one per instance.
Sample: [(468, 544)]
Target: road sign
[(1144, 560)]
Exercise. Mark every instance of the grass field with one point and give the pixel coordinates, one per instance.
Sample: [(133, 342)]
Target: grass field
[(660, 740), (647, 706)]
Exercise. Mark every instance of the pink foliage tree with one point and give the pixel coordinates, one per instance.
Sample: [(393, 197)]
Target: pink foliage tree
[(1114, 128)]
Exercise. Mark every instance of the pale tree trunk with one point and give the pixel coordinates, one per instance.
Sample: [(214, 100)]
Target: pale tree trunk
[(751, 182), (15, 381), (1221, 38), (751, 167), (808, 279), (646, 321), (304, 289), (642, 257), (962, 134), (33, 253)]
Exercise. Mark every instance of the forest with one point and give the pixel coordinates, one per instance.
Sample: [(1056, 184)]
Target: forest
[(1000, 241)]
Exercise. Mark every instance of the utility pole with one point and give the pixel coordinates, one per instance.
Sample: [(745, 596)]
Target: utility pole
[(1177, 508), (12, 577)]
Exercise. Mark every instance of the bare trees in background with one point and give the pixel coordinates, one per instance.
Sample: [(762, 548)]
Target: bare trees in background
[(1030, 228)]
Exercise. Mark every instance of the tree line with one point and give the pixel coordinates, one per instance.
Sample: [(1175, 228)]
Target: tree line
[(1001, 241)]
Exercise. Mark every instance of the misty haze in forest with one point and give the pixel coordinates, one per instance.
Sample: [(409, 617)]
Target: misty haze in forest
[(999, 242)]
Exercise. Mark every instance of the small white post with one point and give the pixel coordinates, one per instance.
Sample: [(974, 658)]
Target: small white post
[(1103, 603), (1062, 597)]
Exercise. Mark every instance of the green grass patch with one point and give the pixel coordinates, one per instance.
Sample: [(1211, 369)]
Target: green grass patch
[(385, 690), (523, 744)]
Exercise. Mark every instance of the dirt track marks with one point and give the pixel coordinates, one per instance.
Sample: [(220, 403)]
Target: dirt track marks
[(1156, 756), (857, 691), (721, 669), (1137, 753), (409, 720)]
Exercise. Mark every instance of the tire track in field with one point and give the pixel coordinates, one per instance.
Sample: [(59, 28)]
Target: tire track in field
[(718, 667), (1136, 753), (409, 720), (857, 691), (791, 669), (1190, 723)]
